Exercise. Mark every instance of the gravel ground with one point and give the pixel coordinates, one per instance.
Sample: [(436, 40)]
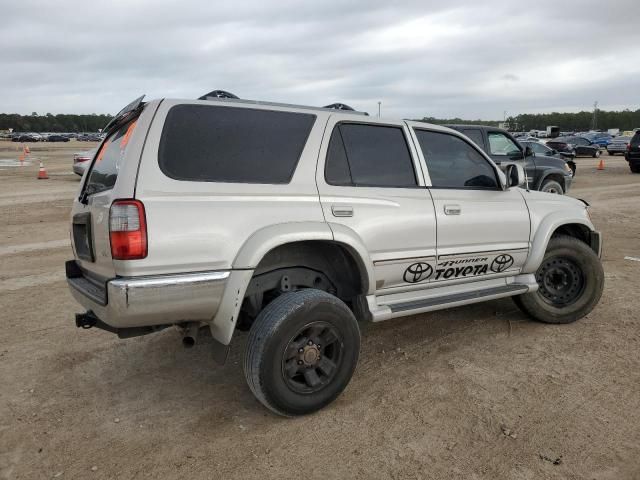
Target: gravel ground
[(478, 392)]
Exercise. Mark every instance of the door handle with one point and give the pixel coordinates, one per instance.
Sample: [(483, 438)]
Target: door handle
[(452, 210), (342, 210)]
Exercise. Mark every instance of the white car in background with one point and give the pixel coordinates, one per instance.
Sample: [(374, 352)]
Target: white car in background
[(82, 160)]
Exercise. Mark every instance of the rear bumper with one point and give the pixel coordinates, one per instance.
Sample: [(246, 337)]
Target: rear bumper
[(127, 302), (79, 168)]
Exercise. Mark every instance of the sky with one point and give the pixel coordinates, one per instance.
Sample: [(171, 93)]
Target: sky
[(444, 59)]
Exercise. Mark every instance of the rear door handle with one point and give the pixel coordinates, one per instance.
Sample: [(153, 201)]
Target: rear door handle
[(342, 210), (452, 210)]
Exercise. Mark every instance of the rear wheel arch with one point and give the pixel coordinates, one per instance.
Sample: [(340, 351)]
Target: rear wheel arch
[(319, 264)]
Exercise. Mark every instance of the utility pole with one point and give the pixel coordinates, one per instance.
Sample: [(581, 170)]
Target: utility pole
[(594, 119), (379, 103)]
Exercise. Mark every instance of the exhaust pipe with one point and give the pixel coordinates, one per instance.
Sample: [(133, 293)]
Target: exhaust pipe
[(190, 334)]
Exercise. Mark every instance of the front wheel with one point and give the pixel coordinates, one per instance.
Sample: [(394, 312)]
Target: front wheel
[(301, 352), (551, 186), (570, 283), (596, 154)]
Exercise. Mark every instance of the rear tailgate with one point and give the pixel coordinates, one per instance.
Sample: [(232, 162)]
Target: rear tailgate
[(112, 176)]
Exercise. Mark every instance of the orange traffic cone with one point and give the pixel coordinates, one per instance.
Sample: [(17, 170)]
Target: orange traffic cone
[(42, 173), (21, 158), (601, 164)]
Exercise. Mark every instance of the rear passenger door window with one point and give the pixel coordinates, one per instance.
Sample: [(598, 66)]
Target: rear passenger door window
[(453, 163), (369, 156)]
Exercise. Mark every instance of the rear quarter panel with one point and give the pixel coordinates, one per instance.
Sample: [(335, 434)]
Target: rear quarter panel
[(197, 226)]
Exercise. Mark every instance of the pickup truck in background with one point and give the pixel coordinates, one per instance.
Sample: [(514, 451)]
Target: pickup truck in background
[(544, 173)]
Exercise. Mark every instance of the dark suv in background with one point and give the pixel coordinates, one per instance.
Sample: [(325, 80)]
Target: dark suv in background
[(633, 153), (544, 173), (579, 146)]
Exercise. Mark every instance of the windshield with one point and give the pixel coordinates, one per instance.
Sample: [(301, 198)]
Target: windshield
[(108, 161)]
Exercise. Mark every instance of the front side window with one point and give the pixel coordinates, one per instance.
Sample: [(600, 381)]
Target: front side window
[(538, 148), (369, 155), (236, 145), (453, 163), (500, 144)]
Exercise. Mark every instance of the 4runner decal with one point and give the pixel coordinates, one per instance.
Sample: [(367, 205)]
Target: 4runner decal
[(457, 268)]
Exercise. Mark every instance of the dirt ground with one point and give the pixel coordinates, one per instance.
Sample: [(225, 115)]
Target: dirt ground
[(478, 392)]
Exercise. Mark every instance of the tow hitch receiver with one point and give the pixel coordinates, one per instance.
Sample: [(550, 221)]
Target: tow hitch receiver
[(89, 320)]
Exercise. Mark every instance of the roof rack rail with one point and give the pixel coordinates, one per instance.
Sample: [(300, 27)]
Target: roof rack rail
[(217, 94), (214, 96), (339, 106)]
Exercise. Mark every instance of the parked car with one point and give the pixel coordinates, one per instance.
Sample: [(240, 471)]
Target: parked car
[(309, 220), (542, 150), (27, 137), (579, 146), (601, 139), (633, 153), (547, 174), (618, 145), (82, 160), (54, 137)]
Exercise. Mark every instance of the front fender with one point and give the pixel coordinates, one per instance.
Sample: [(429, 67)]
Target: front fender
[(543, 233)]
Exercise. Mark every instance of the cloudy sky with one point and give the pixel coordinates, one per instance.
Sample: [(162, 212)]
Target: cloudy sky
[(472, 59)]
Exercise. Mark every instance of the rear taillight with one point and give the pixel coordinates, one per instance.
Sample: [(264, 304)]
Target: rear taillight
[(127, 230)]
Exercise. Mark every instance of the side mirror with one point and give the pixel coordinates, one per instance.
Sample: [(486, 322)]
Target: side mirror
[(528, 152), (515, 175), (552, 152), (516, 155)]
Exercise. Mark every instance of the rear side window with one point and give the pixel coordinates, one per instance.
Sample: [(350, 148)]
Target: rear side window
[(475, 135), (453, 163), (369, 155), (636, 139), (109, 158), (234, 145)]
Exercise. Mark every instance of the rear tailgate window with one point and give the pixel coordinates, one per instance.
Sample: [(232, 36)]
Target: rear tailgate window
[(109, 158)]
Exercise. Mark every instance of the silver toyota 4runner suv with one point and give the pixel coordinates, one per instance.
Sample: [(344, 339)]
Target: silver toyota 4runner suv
[(295, 222)]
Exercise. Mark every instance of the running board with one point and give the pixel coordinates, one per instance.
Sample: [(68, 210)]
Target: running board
[(385, 312)]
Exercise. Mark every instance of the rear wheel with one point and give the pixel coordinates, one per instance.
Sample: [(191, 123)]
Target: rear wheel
[(301, 352), (570, 283), (551, 186), (596, 154)]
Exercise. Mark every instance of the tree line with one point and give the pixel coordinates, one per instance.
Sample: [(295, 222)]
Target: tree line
[(581, 121), (63, 122)]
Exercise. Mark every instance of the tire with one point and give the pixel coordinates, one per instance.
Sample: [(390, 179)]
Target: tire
[(634, 168), (596, 154), (611, 154), (572, 260), (551, 186), (284, 347)]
